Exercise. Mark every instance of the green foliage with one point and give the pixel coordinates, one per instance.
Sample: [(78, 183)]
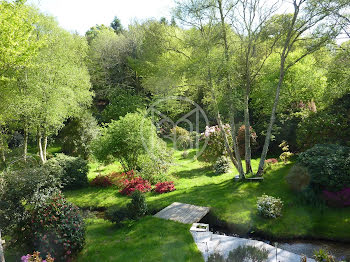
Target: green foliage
[(155, 169), (182, 137), (17, 188), (216, 258), (78, 134), (322, 255), (222, 165), (130, 140), (74, 170), (138, 206), (248, 253), (330, 125), (286, 155), (120, 103), (298, 178), (57, 228), (328, 165), (269, 206)]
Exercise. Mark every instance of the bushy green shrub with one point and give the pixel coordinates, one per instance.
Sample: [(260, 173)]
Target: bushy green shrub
[(322, 255), (248, 253), (74, 170), (57, 228), (328, 165), (135, 209), (222, 165), (77, 135), (269, 206), (17, 188), (298, 178), (215, 257), (133, 141), (182, 137), (286, 155), (154, 169)]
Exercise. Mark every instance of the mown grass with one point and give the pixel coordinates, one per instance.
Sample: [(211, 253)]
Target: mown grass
[(234, 202)]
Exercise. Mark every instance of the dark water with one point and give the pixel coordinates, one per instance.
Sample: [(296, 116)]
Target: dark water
[(304, 247)]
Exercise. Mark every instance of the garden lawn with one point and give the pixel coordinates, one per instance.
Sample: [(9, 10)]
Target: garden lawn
[(234, 202), (149, 239)]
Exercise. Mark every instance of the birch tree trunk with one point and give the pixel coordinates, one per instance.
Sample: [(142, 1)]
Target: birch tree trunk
[(2, 255), (25, 144), (40, 147)]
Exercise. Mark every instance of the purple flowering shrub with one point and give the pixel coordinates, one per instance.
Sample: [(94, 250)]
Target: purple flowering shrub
[(58, 228), (339, 199), (36, 258)]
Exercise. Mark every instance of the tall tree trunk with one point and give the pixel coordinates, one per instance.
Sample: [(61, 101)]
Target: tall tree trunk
[(235, 147), (247, 135), (284, 55), (40, 147), (45, 147), (25, 144), (2, 147)]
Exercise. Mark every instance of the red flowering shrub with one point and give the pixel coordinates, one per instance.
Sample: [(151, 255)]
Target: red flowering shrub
[(102, 181), (271, 161), (111, 179), (164, 187), (241, 140), (57, 228), (338, 199), (137, 183)]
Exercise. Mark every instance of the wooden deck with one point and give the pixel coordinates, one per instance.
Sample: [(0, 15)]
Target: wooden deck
[(183, 213)]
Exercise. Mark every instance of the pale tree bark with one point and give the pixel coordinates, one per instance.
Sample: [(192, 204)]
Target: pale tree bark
[(44, 147), (39, 138), (2, 146), (25, 143)]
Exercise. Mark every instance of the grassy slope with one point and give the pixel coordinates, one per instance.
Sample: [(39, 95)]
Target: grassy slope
[(234, 202), (149, 239)]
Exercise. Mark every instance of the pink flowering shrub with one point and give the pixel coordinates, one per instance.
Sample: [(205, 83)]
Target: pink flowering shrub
[(134, 184), (216, 144), (36, 258), (164, 187), (271, 161), (58, 228), (112, 179), (339, 199)]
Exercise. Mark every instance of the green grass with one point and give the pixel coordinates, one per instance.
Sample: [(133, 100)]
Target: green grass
[(234, 202), (149, 239)]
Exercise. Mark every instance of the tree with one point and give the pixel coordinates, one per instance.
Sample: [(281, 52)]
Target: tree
[(317, 17), (117, 25)]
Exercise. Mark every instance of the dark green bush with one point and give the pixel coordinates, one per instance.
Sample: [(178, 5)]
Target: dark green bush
[(328, 165), (57, 228), (16, 190), (242, 253), (216, 258), (222, 165), (298, 178), (74, 170), (117, 214)]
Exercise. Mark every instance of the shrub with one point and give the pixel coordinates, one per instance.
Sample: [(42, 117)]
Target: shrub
[(329, 167), (322, 255), (135, 184), (128, 139), (298, 178), (117, 214), (271, 161), (58, 228), (75, 170), (215, 142), (182, 137), (36, 258), (154, 170), (102, 181), (17, 188), (286, 155), (164, 187), (222, 165), (78, 134), (248, 253), (338, 199), (118, 179), (215, 257), (185, 154), (241, 140), (138, 206), (269, 206)]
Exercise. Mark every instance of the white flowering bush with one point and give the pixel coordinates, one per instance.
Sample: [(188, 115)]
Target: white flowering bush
[(269, 206)]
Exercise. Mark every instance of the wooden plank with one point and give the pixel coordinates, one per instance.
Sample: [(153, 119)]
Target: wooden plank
[(183, 213), (2, 255)]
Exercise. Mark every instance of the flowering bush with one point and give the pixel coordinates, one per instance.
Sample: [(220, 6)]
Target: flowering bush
[(286, 155), (57, 228), (36, 258), (269, 206), (164, 187), (216, 144), (339, 199), (111, 179), (222, 165), (241, 140), (135, 184), (271, 161)]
